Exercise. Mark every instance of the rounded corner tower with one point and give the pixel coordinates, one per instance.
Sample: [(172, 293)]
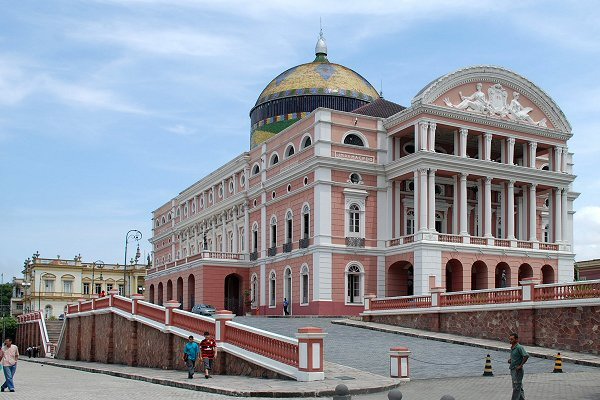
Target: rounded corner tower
[(298, 91)]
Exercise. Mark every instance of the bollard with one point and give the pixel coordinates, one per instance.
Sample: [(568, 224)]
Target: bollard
[(447, 397), (341, 392), (487, 369), (399, 363), (558, 364), (395, 394)]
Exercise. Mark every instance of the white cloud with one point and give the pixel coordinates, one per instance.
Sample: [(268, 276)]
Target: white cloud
[(181, 130), (587, 233)]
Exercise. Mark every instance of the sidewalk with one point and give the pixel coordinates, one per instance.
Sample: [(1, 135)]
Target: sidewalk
[(541, 352), (358, 382)]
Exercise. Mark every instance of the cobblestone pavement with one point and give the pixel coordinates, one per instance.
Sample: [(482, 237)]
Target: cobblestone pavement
[(35, 381), (369, 350)]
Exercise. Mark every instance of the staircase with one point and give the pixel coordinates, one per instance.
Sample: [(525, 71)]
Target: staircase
[(54, 328)]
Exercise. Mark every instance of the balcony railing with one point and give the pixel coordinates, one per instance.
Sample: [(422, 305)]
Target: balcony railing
[(473, 240), (287, 247), (254, 256), (355, 242), (272, 251), (303, 243)]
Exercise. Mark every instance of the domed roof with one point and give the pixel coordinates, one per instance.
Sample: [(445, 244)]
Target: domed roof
[(319, 77)]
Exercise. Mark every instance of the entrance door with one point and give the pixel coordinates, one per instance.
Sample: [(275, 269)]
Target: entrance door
[(233, 295)]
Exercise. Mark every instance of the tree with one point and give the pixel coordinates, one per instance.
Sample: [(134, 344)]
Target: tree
[(10, 326), (6, 294)]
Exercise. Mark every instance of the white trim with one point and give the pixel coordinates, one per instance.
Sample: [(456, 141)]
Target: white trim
[(357, 133), (287, 148), (361, 287), (305, 267), (272, 290), (273, 154), (302, 141)]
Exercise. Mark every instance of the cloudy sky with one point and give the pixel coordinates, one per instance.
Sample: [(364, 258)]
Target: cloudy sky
[(110, 108)]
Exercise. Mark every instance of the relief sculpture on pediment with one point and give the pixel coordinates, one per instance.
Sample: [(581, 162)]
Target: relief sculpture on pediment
[(495, 105)]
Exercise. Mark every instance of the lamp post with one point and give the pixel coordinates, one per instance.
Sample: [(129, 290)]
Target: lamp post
[(96, 264), (136, 235)]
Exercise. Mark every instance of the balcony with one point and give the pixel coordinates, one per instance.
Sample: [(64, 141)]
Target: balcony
[(254, 256), (272, 251), (287, 247), (303, 243), (355, 242)]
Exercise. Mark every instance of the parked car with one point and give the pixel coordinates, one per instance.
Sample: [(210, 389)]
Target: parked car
[(204, 309)]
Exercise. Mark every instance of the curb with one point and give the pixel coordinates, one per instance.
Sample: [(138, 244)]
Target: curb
[(199, 388), (465, 342)]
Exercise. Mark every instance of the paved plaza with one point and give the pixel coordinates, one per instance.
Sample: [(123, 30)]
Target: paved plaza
[(369, 350)]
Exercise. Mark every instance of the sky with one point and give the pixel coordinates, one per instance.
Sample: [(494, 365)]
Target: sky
[(108, 109)]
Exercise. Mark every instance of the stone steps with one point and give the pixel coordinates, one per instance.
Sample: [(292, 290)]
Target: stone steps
[(54, 328)]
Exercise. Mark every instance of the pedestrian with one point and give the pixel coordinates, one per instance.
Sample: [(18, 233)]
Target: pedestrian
[(29, 351), (518, 358), (9, 358), (286, 304), (208, 348), (190, 355), (102, 294)]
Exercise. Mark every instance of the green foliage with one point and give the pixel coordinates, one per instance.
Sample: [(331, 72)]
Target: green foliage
[(6, 293), (10, 326)]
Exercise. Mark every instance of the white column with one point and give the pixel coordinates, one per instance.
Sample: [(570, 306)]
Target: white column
[(432, 126), (565, 152), (532, 154), (510, 159), (532, 213), (423, 126), (247, 229), (432, 200), (480, 200), (455, 205), (235, 232), (487, 200), (564, 208), (213, 246), (416, 196), (223, 233), (464, 132), (557, 164), (456, 143), (557, 215), (417, 133), (487, 146), (463, 204), (422, 199), (510, 209)]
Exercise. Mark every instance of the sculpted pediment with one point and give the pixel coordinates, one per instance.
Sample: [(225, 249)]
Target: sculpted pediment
[(495, 93)]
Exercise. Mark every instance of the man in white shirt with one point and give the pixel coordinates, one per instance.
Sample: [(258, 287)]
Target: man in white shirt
[(9, 355)]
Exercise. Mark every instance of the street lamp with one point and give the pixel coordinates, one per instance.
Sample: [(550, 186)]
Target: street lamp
[(136, 235), (100, 265)]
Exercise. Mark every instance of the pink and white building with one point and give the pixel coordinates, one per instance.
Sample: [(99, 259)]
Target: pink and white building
[(469, 187)]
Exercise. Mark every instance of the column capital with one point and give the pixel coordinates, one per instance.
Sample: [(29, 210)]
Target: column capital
[(511, 182), (533, 186), (423, 124), (511, 140), (464, 131), (488, 180), (533, 145), (432, 171), (488, 136), (432, 125), (463, 175), (422, 170)]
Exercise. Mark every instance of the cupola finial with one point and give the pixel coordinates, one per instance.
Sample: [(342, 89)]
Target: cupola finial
[(321, 47)]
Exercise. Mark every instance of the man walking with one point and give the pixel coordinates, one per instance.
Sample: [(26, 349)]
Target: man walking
[(190, 355), (286, 305), (518, 357), (9, 355), (209, 351)]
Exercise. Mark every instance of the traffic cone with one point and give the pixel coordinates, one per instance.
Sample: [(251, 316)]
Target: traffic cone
[(558, 364), (487, 370)]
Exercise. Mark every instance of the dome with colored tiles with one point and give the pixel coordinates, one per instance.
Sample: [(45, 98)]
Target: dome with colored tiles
[(298, 91)]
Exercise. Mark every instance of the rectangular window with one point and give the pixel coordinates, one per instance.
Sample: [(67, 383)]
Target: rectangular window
[(272, 293), (353, 288), (121, 290), (306, 225), (273, 235), (254, 241), (305, 289), (109, 287), (86, 288), (67, 287), (354, 222), (49, 286), (289, 231), (98, 288), (410, 226)]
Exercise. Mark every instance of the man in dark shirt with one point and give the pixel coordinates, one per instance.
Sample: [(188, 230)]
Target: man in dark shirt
[(518, 357), (208, 349)]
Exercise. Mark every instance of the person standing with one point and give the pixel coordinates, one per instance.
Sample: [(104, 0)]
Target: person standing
[(518, 358), (286, 305), (9, 356), (190, 355), (208, 348)]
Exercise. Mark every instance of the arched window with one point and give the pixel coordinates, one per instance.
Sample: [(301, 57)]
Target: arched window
[(274, 159), (354, 140), (354, 284), (230, 242), (288, 227), (272, 288), (306, 222), (255, 169), (241, 243), (307, 141), (354, 218), (304, 285), (273, 232), (254, 291), (162, 221), (289, 151)]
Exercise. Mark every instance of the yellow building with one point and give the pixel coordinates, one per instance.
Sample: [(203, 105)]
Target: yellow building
[(51, 283)]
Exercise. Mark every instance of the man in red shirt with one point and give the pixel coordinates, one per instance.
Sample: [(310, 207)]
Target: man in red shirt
[(208, 350)]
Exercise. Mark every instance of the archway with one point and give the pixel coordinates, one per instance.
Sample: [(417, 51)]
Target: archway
[(525, 272), (454, 276), (159, 300), (151, 294), (233, 293), (169, 290), (191, 282), (400, 279), (479, 276), (502, 275), (547, 274), (180, 292)]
